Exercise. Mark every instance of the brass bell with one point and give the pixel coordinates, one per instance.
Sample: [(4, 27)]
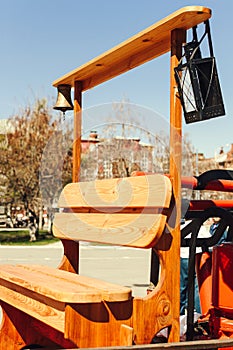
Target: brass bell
[(64, 102)]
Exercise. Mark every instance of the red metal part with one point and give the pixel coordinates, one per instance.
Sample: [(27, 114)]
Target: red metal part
[(222, 291), (204, 277), (214, 185), (214, 273), (192, 183), (209, 203)]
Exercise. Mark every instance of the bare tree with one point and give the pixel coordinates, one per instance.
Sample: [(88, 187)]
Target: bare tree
[(27, 136)]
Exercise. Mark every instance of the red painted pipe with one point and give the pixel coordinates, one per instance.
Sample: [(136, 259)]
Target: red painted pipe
[(191, 182), (214, 185), (209, 203)]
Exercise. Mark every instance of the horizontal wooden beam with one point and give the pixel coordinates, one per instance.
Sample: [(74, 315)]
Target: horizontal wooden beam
[(142, 47)]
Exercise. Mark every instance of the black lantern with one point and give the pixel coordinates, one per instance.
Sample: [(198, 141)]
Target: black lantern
[(198, 83)]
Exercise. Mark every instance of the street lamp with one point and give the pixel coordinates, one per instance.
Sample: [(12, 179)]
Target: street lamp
[(197, 81)]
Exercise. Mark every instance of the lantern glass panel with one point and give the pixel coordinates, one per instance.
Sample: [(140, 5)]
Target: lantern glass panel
[(188, 95)]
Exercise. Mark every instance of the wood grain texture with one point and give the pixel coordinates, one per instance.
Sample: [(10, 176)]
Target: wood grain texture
[(35, 308), (126, 212), (60, 285), (77, 150), (140, 48), (131, 230), (19, 329), (178, 36), (70, 259), (136, 192), (103, 324)]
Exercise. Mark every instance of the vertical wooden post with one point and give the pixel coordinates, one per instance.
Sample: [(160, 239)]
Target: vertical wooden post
[(70, 261), (77, 130), (178, 37)]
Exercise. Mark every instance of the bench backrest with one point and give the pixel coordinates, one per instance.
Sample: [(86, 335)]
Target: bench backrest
[(128, 211)]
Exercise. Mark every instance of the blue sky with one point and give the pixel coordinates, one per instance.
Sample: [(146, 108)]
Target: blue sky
[(42, 40)]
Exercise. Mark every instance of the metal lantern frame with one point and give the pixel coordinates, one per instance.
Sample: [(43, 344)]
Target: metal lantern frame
[(197, 80)]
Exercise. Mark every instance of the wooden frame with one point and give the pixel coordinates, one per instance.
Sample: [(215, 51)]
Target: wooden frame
[(142, 47), (166, 35), (54, 301), (169, 34)]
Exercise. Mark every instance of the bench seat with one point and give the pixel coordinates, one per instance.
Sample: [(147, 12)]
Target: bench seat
[(61, 285), (43, 292), (70, 310)]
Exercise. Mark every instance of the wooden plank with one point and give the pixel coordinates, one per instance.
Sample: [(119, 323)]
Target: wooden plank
[(60, 285), (70, 259), (92, 325), (178, 36), (77, 150), (137, 192), (132, 230), (142, 47), (48, 314)]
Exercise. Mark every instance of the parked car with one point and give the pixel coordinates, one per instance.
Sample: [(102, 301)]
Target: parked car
[(5, 219)]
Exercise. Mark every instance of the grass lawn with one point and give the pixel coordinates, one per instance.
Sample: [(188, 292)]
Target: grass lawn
[(21, 237)]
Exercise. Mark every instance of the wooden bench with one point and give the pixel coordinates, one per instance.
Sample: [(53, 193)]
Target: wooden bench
[(58, 307)]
